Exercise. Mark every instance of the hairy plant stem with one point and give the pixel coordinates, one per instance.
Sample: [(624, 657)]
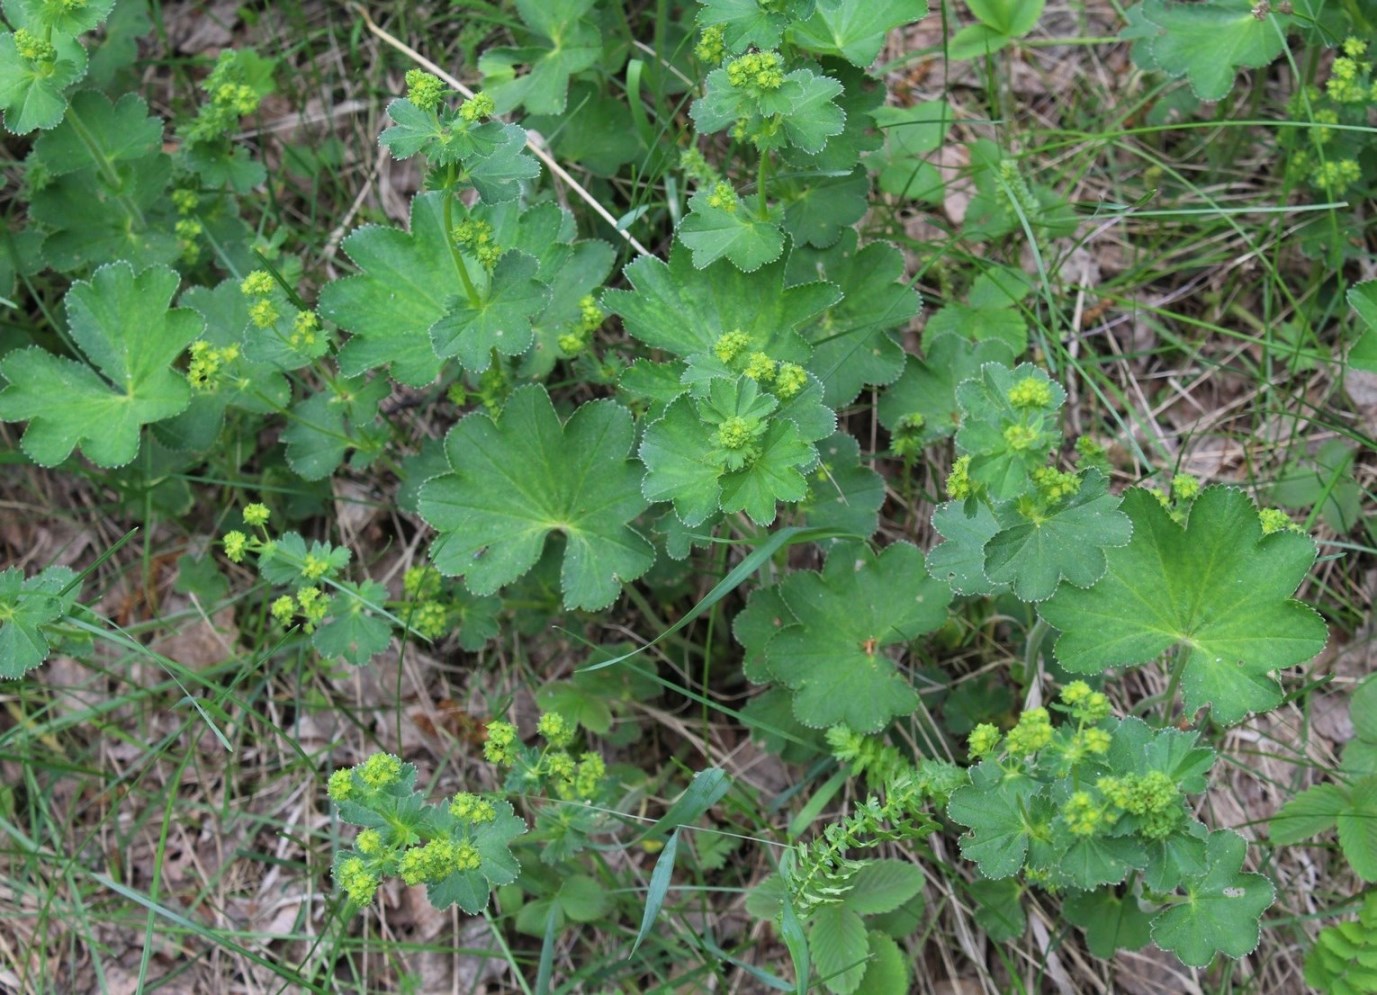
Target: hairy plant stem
[(475, 301)]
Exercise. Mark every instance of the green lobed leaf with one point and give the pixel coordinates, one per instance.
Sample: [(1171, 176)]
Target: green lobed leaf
[(26, 606), (62, 17), (117, 132), (514, 481), (852, 347), (683, 310), (1307, 814), (500, 321), (749, 23), (994, 808), (856, 31), (1111, 922), (859, 604), (33, 97), (882, 886), (327, 424), (1066, 542), (1221, 909), (564, 41), (1210, 42), (353, 632), (714, 232), (1216, 589), (927, 387), (887, 970), (405, 283), (842, 493), (959, 560), (122, 324)]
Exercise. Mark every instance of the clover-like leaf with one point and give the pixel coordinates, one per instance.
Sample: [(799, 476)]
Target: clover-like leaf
[(859, 604), (855, 31), (121, 322), (1221, 909), (730, 450), (1217, 588), (515, 480), (500, 320), (1037, 546), (26, 606), (685, 311), (714, 229), (1210, 42)]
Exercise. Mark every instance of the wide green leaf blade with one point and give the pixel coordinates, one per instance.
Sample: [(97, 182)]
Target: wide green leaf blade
[(121, 322), (1308, 814), (1209, 42), (839, 944), (515, 480), (860, 603), (1358, 829), (1064, 542), (1217, 588), (501, 321), (734, 232), (855, 31), (1221, 910)]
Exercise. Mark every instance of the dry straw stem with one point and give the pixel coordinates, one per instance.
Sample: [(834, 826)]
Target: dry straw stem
[(540, 153)]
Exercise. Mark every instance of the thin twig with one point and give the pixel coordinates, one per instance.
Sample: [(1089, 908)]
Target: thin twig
[(536, 148)]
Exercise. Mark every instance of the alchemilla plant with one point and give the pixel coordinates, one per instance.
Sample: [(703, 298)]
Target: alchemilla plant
[(571, 422)]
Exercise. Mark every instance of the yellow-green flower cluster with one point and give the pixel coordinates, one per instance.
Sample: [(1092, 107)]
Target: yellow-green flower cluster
[(959, 484), (760, 367), (32, 48), (1031, 392), (477, 108), (357, 882), (790, 378), (423, 89), (1350, 79), (1336, 175), (590, 317), (579, 781), (305, 328), (438, 859), (475, 236), (1153, 797), (556, 729), (1184, 487), (712, 44), (381, 770), (472, 808), (430, 619), (761, 71), (1055, 485), (723, 197), (731, 345), (984, 740), (206, 362), (737, 433), (1020, 437), (309, 603), (1085, 815), (236, 545), (256, 514), (1085, 704), (230, 99), (697, 168), (907, 438), (501, 744), (421, 583), (1032, 732), (1276, 520)]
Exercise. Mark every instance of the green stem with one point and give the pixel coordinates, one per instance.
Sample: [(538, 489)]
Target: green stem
[(475, 301), (104, 166), (1178, 667), (1034, 645), (763, 203)]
